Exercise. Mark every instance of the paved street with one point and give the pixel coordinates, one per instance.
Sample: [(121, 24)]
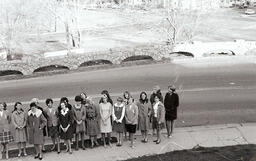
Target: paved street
[(183, 138), (208, 95)]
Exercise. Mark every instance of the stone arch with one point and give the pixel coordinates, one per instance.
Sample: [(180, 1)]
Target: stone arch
[(182, 53), (10, 72), (95, 62), (50, 68), (16, 66), (137, 57)]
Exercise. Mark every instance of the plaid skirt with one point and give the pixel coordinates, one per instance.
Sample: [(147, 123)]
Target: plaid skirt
[(6, 137)]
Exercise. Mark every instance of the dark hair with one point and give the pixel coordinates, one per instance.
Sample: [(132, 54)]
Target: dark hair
[(78, 98), (59, 107), (33, 104), (108, 97), (15, 106), (128, 93), (146, 98), (159, 96), (64, 99), (48, 100), (129, 99), (5, 105)]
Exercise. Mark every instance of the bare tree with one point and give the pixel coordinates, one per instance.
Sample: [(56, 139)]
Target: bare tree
[(18, 19), (180, 25), (68, 12)]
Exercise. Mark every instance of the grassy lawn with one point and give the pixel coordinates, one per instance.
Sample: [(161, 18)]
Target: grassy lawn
[(229, 153), (103, 29)]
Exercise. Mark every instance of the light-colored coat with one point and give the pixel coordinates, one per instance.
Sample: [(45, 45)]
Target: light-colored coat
[(160, 113), (35, 124)]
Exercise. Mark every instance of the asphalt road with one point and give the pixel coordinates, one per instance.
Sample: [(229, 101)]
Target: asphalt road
[(213, 95)]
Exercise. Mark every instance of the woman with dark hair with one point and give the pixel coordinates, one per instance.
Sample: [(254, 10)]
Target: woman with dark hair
[(66, 119), (131, 116), (126, 96), (19, 122), (5, 106), (65, 99), (158, 117), (144, 113), (70, 107), (106, 110), (105, 92), (79, 118), (118, 120), (171, 103), (36, 123), (53, 124), (156, 91)]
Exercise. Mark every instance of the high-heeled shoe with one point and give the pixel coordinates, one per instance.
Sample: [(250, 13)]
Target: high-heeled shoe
[(158, 142), (37, 156), (19, 155), (40, 158), (25, 154)]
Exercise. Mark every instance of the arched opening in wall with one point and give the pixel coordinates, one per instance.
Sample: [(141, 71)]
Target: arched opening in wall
[(51, 68), (181, 54), (219, 53), (10, 73), (95, 62), (136, 58)]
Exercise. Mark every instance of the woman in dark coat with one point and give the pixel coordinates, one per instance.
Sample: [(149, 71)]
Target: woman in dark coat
[(35, 124), (171, 103), (66, 119)]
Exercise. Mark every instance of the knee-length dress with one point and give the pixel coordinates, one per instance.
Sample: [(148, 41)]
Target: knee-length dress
[(79, 115), (35, 124), (19, 121), (92, 120), (171, 103), (144, 115), (118, 118), (5, 133), (65, 119), (105, 110)]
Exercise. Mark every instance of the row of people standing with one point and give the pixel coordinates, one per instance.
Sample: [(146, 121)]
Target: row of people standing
[(84, 117)]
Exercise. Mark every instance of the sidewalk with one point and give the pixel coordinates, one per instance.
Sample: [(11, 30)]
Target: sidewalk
[(183, 138)]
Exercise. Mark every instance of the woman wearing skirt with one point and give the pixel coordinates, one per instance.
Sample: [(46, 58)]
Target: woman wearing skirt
[(19, 122)]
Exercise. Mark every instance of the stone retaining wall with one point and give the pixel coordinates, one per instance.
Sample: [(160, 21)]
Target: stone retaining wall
[(28, 65)]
